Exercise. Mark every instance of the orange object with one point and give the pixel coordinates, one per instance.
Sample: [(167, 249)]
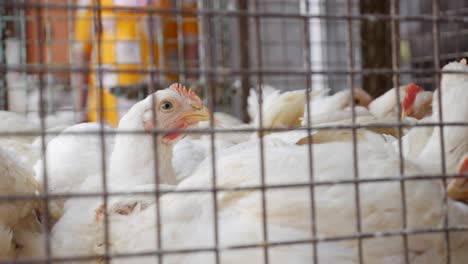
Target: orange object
[(125, 46)]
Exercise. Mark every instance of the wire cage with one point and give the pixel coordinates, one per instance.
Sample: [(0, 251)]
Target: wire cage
[(65, 62)]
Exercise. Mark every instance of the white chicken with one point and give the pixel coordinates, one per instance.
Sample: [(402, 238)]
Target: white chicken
[(326, 109), (381, 111), (415, 102), (415, 141), (285, 110), (177, 109), (132, 165), (14, 123), (73, 156), (192, 150), (187, 219), (19, 227), (28, 146), (269, 93), (458, 188)]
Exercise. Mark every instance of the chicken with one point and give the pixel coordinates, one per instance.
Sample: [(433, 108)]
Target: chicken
[(132, 165), (50, 134), (288, 109), (414, 100), (458, 187), (15, 123), (414, 141), (326, 109), (72, 156), (25, 152), (189, 153), (279, 110), (18, 218), (269, 93), (381, 111), (186, 220), (453, 90), (177, 109), (283, 111), (222, 120), (27, 147), (16, 179)]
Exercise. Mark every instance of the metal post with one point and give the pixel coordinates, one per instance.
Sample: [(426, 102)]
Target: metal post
[(376, 46), (244, 58), (3, 82)]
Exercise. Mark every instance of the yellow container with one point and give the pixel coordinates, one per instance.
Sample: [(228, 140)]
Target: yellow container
[(125, 46)]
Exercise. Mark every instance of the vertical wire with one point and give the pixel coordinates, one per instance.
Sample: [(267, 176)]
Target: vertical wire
[(244, 60), (211, 105), (396, 83), (155, 133), (48, 40), (201, 40), (23, 52), (458, 42), (220, 58), (43, 135), (357, 198), (3, 60), (219, 31), (97, 39), (284, 44), (308, 65), (160, 39), (436, 54), (180, 42), (71, 43), (258, 43)]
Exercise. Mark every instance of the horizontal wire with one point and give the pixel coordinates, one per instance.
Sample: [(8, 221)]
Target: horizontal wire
[(207, 131), (235, 13), (320, 239), (55, 196), (223, 72), (220, 71)]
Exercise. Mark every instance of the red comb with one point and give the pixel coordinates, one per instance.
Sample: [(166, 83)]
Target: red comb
[(463, 169), (411, 91), (183, 91)]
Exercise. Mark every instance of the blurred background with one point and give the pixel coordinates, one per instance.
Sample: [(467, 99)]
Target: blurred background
[(70, 49)]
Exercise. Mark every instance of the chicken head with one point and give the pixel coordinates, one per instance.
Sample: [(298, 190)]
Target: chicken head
[(416, 102), (175, 108), (361, 97)]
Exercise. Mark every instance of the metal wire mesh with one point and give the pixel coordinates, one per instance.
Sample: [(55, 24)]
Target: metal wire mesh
[(292, 45)]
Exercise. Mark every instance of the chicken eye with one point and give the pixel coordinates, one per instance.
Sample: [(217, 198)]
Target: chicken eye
[(166, 105)]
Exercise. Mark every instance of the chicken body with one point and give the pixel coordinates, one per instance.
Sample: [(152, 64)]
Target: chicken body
[(14, 123), (18, 224), (336, 107), (386, 106), (187, 220), (132, 165), (453, 91), (73, 156)]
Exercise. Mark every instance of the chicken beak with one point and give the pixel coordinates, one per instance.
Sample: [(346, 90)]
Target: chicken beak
[(195, 115), (405, 113)]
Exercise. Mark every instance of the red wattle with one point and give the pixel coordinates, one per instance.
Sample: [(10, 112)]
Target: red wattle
[(171, 136)]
